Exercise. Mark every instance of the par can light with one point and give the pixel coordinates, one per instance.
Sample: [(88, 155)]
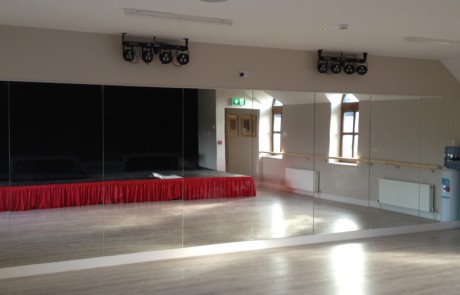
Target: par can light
[(322, 67), (128, 54), (361, 70), (183, 58), (336, 67), (165, 56), (147, 55), (349, 68)]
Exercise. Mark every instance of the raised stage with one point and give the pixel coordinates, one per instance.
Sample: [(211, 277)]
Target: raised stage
[(192, 185)]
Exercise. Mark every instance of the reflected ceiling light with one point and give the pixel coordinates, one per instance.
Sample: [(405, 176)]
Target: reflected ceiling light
[(147, 54), (202, 19), (165, 56), (128, 53), (183, 58)]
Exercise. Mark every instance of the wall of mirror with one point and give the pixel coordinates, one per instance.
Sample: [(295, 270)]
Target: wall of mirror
[(94, 170)]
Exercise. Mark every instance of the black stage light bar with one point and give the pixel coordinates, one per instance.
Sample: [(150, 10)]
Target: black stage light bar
[(147, 50), (335, 63)]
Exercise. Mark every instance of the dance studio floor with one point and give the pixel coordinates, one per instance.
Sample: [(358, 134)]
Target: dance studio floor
[(38, 236)]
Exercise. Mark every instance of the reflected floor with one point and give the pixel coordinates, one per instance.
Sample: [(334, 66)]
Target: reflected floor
[(49, 235)]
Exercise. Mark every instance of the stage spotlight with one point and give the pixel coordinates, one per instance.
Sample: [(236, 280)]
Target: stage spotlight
[(147, 54), (349, 68), (322, 67), (361, 69), (336, 67), (183, 58), (128, 53), (165, 56)]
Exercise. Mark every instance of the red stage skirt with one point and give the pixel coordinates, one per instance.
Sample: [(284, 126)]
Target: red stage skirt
[(29, 197)]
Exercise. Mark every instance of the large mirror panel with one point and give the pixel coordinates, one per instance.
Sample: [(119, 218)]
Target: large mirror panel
[(145, 135), (56, 132), (398, 192), (284, 203), (4, 174), (92, 170), (217, 207), (439, 142), (342, 150)]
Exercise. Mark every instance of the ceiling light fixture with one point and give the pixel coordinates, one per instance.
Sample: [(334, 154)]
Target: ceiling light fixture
[(336, 63), (147, 54), (183, 58), (431, 41), (202, 19), (336, 67), (148, 50), (128, 53), (349, 68), (165, 56)]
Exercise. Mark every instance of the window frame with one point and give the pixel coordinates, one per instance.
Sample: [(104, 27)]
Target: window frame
[(347, 107), (276, 110)]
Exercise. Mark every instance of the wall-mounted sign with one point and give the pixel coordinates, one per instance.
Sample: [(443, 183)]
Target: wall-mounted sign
[(238, 101)]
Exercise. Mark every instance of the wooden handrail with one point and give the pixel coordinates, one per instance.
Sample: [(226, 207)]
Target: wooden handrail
[(370, 161)]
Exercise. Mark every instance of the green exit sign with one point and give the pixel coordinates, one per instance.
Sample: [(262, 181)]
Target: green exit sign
[(238, 101)]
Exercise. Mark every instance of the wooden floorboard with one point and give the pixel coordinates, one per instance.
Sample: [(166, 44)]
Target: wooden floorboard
[(422, 263), (40, 236)]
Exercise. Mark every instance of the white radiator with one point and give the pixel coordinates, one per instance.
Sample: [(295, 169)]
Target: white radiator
[(306, 180), (404, 194)]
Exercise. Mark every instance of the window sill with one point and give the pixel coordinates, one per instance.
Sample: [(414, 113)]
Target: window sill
[(273, 156), (349, 164)]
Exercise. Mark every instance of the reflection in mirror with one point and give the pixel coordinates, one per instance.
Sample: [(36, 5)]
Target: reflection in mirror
[(439, 144), (4, 174), (341, 147), (227, 126), (284, 203), (144, 166), (55, 131), (169, 168), (402, 184)]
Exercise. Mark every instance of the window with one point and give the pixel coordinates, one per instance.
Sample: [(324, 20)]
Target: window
[(277, 114), (349, 130)]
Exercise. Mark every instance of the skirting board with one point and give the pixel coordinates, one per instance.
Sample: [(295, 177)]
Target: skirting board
[(116, 260), (348, 200), (354, 201)]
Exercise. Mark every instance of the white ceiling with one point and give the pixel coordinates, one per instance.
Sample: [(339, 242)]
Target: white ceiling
[(375, 26)]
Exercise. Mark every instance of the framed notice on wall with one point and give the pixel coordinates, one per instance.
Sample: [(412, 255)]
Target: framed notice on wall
[(248, 125), (232, 125)]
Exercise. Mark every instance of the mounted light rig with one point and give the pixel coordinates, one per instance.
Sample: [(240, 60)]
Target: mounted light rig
[(167, 53), (335, 64)]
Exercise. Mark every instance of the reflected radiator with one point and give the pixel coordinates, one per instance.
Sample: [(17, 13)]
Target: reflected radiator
[(306, 180), (404, 194)]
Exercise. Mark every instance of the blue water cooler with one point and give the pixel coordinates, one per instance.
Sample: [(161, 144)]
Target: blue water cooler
[(450, 190)]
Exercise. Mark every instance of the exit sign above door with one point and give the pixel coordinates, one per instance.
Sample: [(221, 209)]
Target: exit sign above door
[(238, 101)]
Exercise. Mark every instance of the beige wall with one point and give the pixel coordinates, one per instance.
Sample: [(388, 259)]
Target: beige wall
[(62, 56), (392, 128)]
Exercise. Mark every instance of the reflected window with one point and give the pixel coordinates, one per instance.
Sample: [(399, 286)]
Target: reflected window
[(349, 130), (277, 115)]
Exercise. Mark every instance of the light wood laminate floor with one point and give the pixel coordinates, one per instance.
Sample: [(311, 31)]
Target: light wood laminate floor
[(50, 235), (422, 263)]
